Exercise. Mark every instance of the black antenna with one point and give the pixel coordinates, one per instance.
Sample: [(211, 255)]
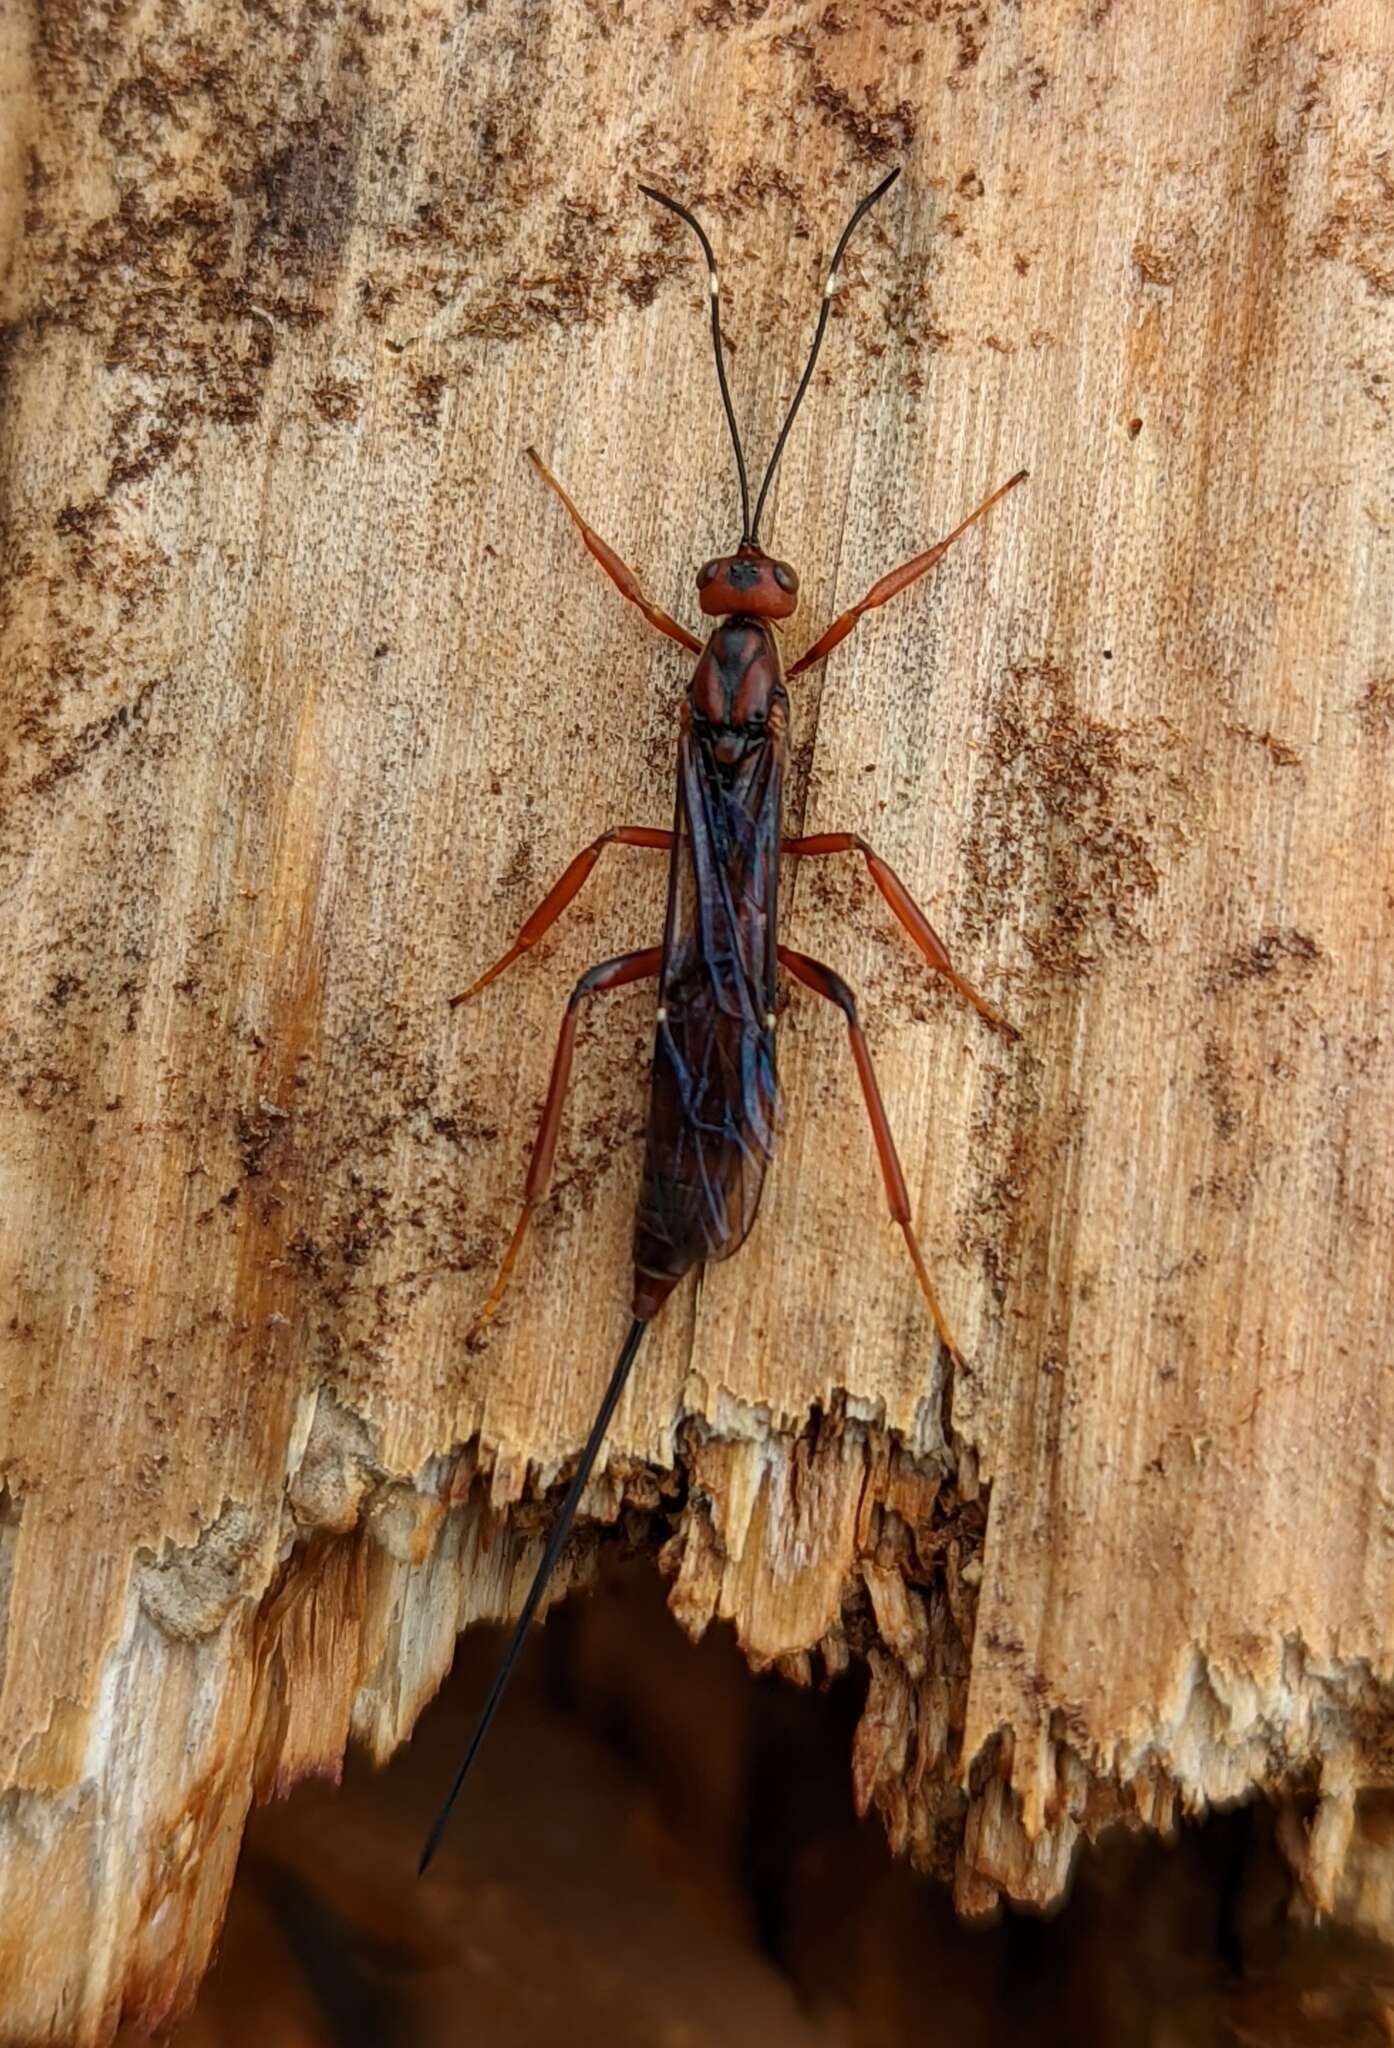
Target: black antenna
[(561, 1529), (829, 288), (715, 290)]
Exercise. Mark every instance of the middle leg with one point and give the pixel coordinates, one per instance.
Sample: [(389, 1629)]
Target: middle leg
[(561, 893), (906, 909), (824, 982)]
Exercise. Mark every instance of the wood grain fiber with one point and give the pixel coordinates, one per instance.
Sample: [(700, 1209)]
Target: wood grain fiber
[(310, 692)]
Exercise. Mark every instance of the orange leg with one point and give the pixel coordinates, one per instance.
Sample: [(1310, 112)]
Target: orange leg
[(906, 909), (619, 573), (609, 974), (561, 893), (824, 982), (898, 580)]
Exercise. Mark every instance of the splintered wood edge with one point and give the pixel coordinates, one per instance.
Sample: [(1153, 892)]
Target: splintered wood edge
[(248, 1660)]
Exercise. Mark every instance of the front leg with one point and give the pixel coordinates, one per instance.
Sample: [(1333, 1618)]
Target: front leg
[(619, 572), (898, 580), (906, 909)]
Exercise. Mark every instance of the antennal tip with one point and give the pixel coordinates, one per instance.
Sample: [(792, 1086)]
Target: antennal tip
[(829, 289), (714, 298)]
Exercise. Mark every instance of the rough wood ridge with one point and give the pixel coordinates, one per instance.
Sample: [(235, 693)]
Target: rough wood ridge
[(309, 692)]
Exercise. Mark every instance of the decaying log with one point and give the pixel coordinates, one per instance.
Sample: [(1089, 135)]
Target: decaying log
[(310, 691), (660, 1845)]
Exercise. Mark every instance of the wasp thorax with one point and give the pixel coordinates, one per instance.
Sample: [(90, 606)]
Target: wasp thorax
[(749, 582)]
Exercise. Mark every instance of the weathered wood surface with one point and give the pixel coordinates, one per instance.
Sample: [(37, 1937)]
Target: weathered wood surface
[(310, 691)]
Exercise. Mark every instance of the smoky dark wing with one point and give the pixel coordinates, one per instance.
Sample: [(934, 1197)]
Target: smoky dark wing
[(714, 1099)]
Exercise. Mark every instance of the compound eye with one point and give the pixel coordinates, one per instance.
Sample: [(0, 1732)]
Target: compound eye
[(785, 577), (706, 573)]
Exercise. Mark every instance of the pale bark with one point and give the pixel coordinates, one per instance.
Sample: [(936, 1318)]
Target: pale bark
[(311, 691)]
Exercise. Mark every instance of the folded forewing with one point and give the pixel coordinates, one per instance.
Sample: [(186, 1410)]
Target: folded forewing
[(714, 1091)]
